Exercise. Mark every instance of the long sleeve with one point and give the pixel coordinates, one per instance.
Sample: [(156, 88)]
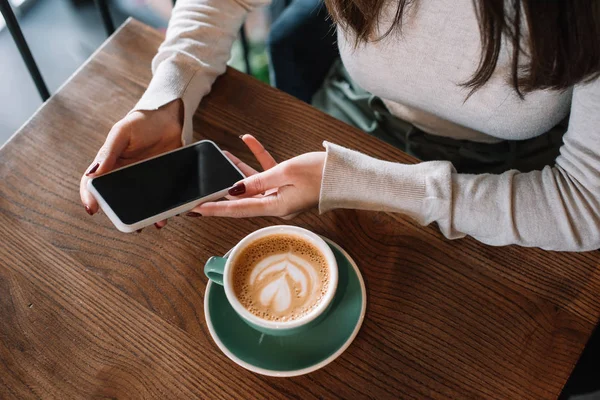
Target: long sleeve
[(194, 53), (557, 208)]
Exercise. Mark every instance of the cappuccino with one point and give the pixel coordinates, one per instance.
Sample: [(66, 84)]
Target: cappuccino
[(280, 277)]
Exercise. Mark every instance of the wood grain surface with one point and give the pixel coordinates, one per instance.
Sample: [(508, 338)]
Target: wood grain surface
[(89, 312)]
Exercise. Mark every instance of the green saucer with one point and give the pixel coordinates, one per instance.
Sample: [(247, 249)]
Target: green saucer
[(295, 354)]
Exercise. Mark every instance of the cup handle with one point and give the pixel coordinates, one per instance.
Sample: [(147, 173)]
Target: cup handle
[(214, 268)]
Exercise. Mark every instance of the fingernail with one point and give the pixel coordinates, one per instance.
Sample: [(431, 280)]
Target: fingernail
[(157, 226), (89, 210), (238, 189), (93, 169), (242, 136), (193, 214), (139, 230)]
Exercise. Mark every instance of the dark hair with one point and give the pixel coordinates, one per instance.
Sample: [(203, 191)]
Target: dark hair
[(563, 41)]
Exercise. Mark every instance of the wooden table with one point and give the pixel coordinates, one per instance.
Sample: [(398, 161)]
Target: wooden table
[(86, 311)]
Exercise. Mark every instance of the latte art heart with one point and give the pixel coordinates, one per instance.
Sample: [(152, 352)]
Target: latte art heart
[(280, 277)]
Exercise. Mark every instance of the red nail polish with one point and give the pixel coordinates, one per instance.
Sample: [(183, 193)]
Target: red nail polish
[(238, 189), (157, 226), (93, 169), (193, 214), (88, 210)]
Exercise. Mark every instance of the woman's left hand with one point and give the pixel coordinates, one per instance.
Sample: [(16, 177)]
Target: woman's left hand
[(282, 190)]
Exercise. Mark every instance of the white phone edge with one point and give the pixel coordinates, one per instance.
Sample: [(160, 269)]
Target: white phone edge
[(128, 228)]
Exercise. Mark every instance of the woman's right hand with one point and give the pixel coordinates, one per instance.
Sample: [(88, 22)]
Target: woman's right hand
[(138, 136)]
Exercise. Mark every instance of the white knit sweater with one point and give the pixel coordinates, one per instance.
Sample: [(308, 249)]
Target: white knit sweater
[(418, 74)]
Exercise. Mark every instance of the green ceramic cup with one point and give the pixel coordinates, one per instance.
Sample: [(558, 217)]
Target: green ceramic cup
[(218, 269)]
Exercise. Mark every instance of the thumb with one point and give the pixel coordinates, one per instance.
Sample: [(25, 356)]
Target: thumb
[(109, 153), (259, 183), (104, 161)]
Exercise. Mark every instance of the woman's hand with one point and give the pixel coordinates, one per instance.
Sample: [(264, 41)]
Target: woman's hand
[(283, 190), (138, 136)]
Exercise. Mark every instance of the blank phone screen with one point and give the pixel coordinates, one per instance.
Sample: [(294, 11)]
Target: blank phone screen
[(158, 185)]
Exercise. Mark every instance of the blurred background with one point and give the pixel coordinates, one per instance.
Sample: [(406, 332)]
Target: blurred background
[(62, 34)]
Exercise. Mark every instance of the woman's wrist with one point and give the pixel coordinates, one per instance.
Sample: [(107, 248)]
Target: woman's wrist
[(175, 110), (355, 180), (171, 111)]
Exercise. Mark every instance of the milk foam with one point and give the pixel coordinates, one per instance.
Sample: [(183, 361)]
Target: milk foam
[(277, 276), (280, 277)]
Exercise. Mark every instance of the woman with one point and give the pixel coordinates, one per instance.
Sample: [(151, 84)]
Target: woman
[(491, 74)]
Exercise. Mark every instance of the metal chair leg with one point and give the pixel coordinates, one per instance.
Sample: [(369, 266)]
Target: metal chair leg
[(245, 49), (15, 30), (105, 14)]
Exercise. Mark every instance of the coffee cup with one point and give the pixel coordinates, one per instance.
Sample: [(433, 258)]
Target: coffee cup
[(280, 280)]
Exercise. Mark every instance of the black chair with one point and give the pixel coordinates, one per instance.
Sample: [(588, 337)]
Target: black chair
[(302, 46)]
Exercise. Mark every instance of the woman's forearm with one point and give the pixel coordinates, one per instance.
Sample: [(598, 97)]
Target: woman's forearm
[(557, 208), (195, 52)]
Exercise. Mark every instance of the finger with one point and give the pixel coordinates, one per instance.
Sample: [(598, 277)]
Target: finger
[(242, 208), (245, 168), (263, 156), (262, 182), (160, 224)]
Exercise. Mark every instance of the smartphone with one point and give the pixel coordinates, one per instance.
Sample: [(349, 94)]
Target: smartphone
[(149, 191)]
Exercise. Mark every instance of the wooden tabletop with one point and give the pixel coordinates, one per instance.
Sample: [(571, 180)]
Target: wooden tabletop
[(87, 311)]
